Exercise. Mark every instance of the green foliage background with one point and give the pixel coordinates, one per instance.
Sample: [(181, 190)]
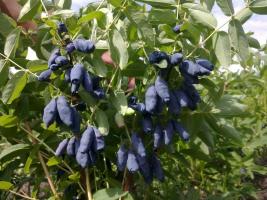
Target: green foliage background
[(228, 130)]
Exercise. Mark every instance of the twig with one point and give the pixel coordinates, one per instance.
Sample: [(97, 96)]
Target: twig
[(50, 182), (88, 186), (20, 195)]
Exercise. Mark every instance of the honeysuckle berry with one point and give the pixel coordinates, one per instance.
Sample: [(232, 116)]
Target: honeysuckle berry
[(181, 130), (61, 147), (50, 112), (122, 156), (87, 140), (151, 99), (138, 145), (132, 164), (85, 46), (71, 147), (65, 111), (177, 29), (147, 123), (45, 75), (157, 56), (162, 89), (205, 63), (176, 59)]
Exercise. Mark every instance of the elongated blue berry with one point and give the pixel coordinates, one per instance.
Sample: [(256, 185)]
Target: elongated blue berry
[(122, 156), (61, 28), (205, 63), (159, 106), (85, 46), (70, 48), (53, 57), (99, 142), (168, 133), (87, 81), (157, 57), (82, 159), (157, 168), (162, 89), (158, 136), (87, 140), (71, 147), (180, 129), (61, 147), (177, 29), (61, 60), (144, 168), (45, 75), (176, 59), (173, 105), (132, 164), (138, 145), (182, 98), (189, 67), (75, 128), (151, 99), (50, 112), (77, 73), (147, 123), (64, 111)]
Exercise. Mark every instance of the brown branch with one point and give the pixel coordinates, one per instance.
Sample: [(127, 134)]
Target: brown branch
[(50, 182)]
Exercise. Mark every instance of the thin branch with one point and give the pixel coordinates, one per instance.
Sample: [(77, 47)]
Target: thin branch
[(20, 195), (50, 182), (88, 186)]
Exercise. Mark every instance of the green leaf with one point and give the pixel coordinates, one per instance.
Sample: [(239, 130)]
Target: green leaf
[(63, 4), (90, 16), (13, 150), (160, 3), (12, 41), (259, 7), (29, 10), (239, 39), (116, 3), (37, 65), (226, 6), (102, 122), (4, 185), (75, 177), (3, 72), (222, 48), (200, 15), (144, 27), (244, 15), (231, 133), (6, 22), (229, 106), (8, 121), (254, 43), (208, 4), (163, 64), (28, 165), (14, 87), (119, 101), (160, 16), (109, 194), (118, 49), (53, 161)]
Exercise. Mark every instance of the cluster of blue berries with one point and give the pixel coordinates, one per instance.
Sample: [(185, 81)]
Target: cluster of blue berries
[(157, 96), (86, 146)]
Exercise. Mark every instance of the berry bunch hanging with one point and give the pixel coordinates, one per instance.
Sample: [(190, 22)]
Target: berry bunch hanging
[(132, 156), (83, 146)]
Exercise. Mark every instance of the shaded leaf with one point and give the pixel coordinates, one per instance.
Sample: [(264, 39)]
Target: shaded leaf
[(259, 7), (109, 194), (102, 122), (12, 41), (226, 6), (29, 10), (90, 16), (14, 87), (8, 121), (222, 48), (118, 49), (4, 185), (239, 39)]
